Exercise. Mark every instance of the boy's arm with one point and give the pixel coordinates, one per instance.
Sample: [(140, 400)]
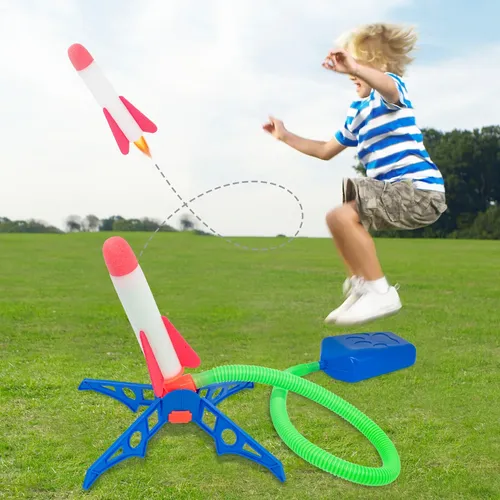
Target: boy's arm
[(324, 150), (382, 83)]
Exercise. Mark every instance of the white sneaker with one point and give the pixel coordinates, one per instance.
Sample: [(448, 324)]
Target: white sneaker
[(369, 306), (347, 286), (351, 290)]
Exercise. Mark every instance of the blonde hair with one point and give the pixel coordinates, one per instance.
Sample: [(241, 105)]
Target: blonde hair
[(381, 45)]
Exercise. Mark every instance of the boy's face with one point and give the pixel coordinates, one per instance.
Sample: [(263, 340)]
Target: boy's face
[(362, 88)]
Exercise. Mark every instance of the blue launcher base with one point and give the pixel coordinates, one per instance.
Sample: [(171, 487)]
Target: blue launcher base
[(201, 405)]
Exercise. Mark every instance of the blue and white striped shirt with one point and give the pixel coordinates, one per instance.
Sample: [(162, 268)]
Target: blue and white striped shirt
[(388, 141)]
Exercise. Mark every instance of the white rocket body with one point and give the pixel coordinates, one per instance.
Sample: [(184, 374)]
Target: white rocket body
[(143, 314), (139, 304), (107, 97)]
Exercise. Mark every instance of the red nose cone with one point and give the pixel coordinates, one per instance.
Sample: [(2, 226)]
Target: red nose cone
[(79, 56), (119, 257)]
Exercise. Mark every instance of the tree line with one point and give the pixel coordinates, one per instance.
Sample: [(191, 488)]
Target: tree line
[(91, 223), (468, 159)]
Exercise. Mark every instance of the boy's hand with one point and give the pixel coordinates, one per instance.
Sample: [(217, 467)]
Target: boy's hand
[(276, 128), (340, 61)]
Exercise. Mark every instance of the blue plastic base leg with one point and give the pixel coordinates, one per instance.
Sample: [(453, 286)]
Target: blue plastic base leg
[(115, 390), (180, 400), (122, 448), (216, 393), (242, 443), (227, 389)]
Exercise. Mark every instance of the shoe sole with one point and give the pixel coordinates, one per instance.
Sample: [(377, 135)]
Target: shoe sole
[(331, 320), (368, 320)]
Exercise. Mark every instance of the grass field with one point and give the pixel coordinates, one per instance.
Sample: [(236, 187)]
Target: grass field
[(61, 321)]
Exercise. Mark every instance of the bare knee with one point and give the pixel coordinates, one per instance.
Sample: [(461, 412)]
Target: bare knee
[(341, 217), (331, 218)]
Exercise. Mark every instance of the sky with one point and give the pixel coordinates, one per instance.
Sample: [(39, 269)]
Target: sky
[(209, 74)]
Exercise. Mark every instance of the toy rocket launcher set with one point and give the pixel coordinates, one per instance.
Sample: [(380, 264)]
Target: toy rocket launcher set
[(181, 398), (177, 398)]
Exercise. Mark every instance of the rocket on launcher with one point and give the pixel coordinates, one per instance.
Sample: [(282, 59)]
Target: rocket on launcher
[(165, 350)]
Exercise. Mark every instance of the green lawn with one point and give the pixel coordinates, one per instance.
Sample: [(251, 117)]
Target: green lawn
[(61, 321)]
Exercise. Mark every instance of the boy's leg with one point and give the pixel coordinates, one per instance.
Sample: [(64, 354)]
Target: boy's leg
[(356, 244), (353, 274), (351, 285), (358, 248), (377, 205), (349, 269)]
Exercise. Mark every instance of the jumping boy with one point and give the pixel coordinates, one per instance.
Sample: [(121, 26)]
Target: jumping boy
[(403, 189)]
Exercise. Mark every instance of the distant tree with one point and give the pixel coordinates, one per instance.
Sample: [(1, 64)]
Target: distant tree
[(199, 232), (91, 223), (128, 225), (29, 226), (6, 225), (486, 226), (150, 225), (119, 223), (359, 168), (36, 226), (470, 163), (187, 222), (107, 224), (9, 226), (165, 228), (74, 223)]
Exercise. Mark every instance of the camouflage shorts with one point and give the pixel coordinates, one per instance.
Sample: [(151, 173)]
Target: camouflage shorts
[(399, 205)]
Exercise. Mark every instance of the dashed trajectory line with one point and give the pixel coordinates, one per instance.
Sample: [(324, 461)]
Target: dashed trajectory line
[(128, 125), (185, 204)]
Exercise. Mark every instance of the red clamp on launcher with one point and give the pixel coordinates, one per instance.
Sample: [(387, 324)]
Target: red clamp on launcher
[(176, 398)]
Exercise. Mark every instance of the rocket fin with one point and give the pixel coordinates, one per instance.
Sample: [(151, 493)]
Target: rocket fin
[(120, 138), (142, 120), (157, 379), (187, 356)]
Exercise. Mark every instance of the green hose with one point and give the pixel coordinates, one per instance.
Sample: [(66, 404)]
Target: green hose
[(290, 380)]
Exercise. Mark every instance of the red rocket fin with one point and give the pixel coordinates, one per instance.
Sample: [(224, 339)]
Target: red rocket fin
[(120, 138), (142, 120), (187, 357), (157, 380)]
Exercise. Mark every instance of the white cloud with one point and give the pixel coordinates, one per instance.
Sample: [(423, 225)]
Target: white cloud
[(457, 93), (208, 73)]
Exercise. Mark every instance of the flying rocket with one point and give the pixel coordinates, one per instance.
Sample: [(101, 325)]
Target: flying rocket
[(165, 350), (126, 122)]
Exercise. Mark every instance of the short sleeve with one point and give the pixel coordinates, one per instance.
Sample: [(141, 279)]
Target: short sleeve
[(345, 135), (404, 101)]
